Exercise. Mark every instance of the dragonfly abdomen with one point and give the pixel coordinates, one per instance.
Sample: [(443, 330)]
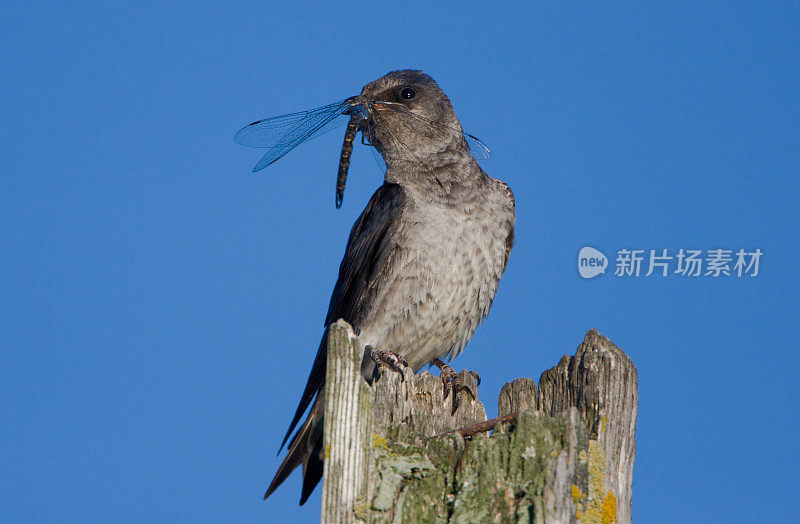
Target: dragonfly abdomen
[(344, 158)]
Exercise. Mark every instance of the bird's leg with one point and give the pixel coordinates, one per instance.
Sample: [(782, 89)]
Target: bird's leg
[(451, 381), (387, 359)]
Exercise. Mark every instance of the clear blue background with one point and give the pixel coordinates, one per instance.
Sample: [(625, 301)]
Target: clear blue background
[(161, 305)]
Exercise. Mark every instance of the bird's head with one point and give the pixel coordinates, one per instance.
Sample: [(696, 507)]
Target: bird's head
[(409, 119)]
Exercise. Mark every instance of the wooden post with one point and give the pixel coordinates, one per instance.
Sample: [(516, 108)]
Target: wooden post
[(347, 427), (563, 451)]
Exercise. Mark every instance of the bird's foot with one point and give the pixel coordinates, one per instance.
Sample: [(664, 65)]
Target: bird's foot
[(452, 382), (387, 359)]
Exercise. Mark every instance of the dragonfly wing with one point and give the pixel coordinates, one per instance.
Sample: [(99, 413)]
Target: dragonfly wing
[(479, 150), (283, 133)]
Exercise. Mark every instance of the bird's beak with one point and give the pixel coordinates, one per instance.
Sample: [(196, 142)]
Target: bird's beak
[(380, 106), (369, 106)]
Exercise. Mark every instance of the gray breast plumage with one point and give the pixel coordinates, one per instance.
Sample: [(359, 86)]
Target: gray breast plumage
[(447, 256)]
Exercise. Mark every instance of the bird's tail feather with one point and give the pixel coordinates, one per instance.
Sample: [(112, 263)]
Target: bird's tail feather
[(306, 449), (314, 383)]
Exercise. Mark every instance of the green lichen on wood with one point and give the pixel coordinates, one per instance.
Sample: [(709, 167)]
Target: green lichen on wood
[(502, 478), (379, 442), (598, 506), (409, 487), (491, 478)]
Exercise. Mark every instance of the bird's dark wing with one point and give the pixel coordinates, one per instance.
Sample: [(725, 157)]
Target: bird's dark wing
[(368, 251), (369, 248)]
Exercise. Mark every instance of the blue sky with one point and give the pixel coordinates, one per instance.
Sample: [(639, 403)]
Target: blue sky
[(161, 305)]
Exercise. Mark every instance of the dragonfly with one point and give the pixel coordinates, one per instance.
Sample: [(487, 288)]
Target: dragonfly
[(281, 134)]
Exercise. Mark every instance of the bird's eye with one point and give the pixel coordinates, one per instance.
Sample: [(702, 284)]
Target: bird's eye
[(407, 93)]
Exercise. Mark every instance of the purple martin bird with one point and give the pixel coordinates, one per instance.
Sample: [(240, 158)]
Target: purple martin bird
[(424, 259)]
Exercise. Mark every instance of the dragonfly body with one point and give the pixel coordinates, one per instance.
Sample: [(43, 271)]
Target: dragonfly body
[(344, 158)]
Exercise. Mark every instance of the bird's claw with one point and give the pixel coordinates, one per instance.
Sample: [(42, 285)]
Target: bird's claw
[(452, 382), (386, 359), (476, 377)]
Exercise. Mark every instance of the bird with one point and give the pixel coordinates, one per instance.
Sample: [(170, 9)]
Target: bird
[(423, 260)]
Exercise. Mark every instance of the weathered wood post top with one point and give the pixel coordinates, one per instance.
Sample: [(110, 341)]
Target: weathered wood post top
[(559, 452)]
